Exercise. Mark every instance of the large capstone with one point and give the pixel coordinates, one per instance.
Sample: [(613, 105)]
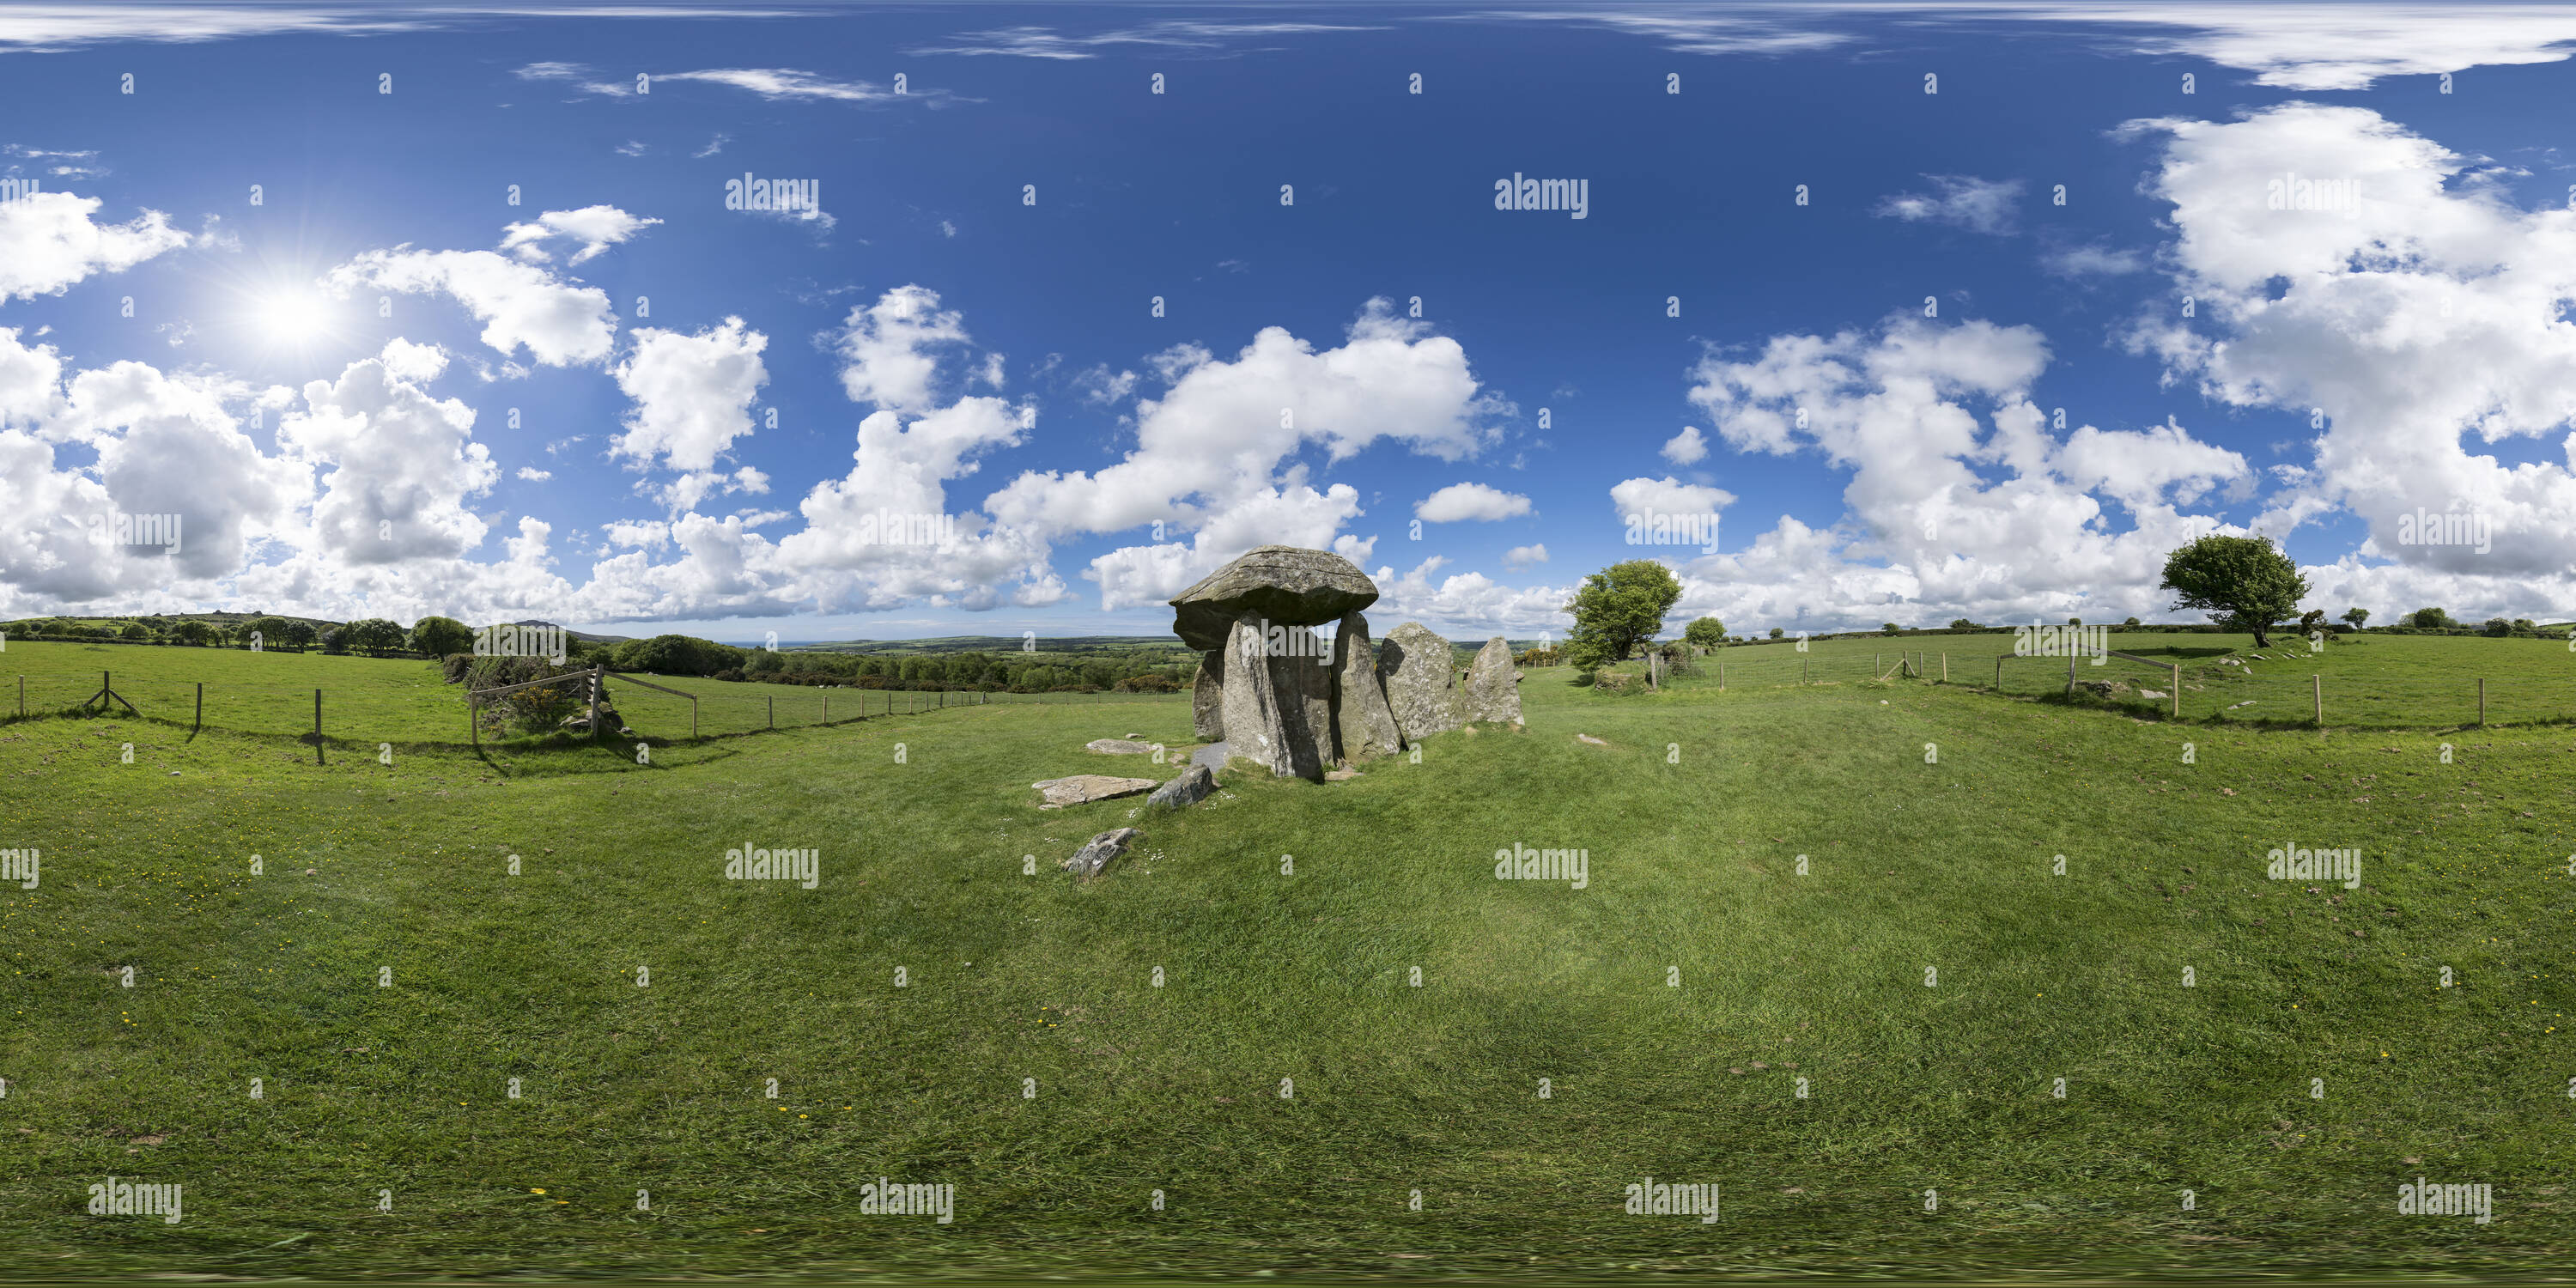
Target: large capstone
[(1494, 685), (1207, 697), (1421, 684), (1281, 585), (1278, 706), (1363, 724)]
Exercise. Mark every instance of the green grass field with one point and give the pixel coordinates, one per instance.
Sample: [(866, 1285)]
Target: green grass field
[(1670, 1007), (367, 701), (2369, 681)]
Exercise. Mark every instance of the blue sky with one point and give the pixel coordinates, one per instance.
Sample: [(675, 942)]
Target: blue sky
[(323, 384)]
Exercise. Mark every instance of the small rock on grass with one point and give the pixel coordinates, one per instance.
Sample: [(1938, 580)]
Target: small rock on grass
[(1341, 775), (1118, 746), (1597, 742), (1099, 850), (1194, 785)]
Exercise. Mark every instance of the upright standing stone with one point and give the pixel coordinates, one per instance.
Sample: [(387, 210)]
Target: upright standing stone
[(1494, 684), (1207, 698), (1421, 686), (1363, 724), (1277, 707)]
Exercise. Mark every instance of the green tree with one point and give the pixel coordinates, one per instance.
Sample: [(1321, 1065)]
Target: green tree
[(1962, 624), (135, 632), (271, 631), (2430, 619), (1889, 628), (1617, 609), (2245, 581), (440, 636), (1776, 632), (1707, 632), (192, 632), (2131, 623), (373, 636), (676, 655), (2356, 616)]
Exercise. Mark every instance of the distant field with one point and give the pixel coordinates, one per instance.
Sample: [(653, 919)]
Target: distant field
[(1672, 1006), (371, 700), (2419, 681)]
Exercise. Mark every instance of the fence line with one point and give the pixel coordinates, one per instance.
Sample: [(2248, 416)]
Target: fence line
[(411, 713), (2257, 688)]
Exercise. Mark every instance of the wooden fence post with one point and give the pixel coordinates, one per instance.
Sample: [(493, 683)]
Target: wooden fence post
[(1945, 668), (201, 707), (2317, 696), (2177, 690), (2482, 702), (1999, 672), (317, 726), (597, 682), (773, 711)]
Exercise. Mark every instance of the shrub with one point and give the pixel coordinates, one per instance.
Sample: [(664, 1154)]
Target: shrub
[(439, 636), (538, 710), (677, 655)]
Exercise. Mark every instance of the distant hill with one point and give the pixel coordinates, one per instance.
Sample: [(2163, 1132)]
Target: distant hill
[(582, 636)]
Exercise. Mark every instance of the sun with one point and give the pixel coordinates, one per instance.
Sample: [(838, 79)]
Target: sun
[(292, 317)]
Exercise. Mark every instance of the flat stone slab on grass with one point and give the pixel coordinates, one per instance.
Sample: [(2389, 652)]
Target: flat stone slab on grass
[(1082, 788), (1118, 747)]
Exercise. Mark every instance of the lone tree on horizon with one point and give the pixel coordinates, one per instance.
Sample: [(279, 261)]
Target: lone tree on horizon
[(1618, 608), (2246, 581)]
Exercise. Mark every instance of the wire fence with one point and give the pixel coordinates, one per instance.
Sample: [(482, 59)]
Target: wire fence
[(406, 710), (2278, 687)]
